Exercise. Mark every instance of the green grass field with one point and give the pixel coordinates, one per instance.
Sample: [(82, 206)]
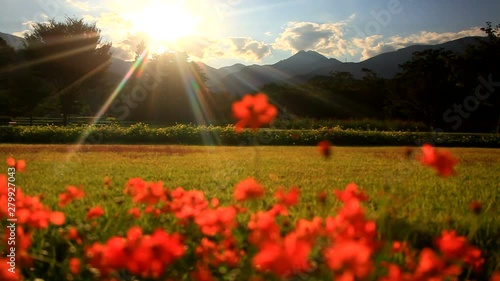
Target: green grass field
[(400, 188), (215, 170)]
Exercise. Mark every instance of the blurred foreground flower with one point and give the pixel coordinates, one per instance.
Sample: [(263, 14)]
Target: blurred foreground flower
[(442, 161), (253, 112), (20, 165), (324, 148), (248, 188)]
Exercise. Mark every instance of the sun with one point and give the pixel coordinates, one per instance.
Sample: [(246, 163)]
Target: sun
[(165, 21)]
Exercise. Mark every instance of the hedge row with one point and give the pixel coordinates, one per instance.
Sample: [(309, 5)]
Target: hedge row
[(212, 135), (360, 125)]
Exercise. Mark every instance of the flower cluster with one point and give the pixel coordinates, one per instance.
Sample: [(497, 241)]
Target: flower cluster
[(345, 246), (200, 239)]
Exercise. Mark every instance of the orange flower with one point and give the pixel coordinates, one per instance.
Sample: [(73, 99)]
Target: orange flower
[(324, 148), (253, 112), (95, 212), (443, 161), (74, 265), (248, 188)]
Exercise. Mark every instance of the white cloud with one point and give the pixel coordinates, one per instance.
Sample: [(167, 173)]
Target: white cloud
[(249, 48), (374, 45), (325, 38), (332, 39)]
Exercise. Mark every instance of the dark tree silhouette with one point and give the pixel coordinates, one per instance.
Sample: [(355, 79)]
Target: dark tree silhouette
[(7, 58), (483, 60), (425, 87), (70, 58), (175, 87)]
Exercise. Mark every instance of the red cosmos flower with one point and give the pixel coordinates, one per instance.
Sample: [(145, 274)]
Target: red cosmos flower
[(57, 218), (148, 193), (134, 212), (457, 247), (324, 148), (215, 254), (95, 212), (20, 165), (29, 209), (350, 192), (73, 235), (74, 265), (5, 274), (263, 227), (23, 243), (283, 257), (351, 259), (248, 188), (187, 204), (215, 221), (395, 274), (476, 207), (495, 276), (431, 267), (321, 197), (253, 112), (72, 193), (288, 199), (202, 273), (443, 161), (309, 229)]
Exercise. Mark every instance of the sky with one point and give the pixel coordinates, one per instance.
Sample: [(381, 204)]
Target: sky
[(224, 32)]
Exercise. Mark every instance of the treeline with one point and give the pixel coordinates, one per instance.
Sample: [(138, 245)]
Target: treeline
[(64, 70), (452, 92)]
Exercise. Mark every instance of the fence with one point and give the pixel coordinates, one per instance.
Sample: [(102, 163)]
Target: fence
[(58, 121)]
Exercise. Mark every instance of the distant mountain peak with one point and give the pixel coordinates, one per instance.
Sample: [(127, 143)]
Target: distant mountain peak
[(309, 54)]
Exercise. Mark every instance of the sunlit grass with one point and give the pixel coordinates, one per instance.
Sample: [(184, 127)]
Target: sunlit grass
[(216, 170), (408, 200)]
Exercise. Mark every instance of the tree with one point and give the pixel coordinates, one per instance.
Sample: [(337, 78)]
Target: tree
[(425, 87), (482, 60), (174, 90), (70, 58), (7, 58)]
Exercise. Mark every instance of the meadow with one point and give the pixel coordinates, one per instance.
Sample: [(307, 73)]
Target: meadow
[(407, 200)]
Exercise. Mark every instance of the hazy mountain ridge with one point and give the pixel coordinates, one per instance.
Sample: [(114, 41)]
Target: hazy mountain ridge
[(302, 66)]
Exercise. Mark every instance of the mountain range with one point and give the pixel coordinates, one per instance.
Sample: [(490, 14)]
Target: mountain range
[(302, 66)]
